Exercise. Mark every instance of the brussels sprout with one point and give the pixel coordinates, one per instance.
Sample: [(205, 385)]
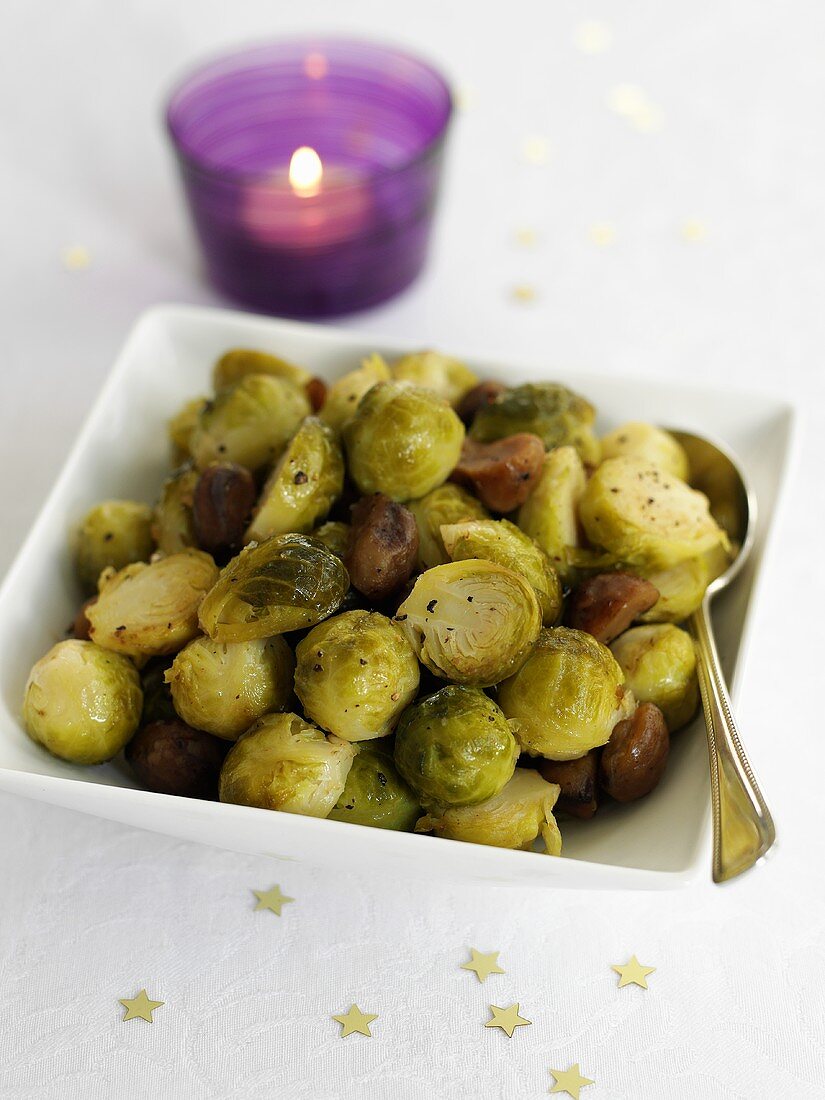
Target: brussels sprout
[(472, 622), (113, 534), (513, 818), (555, 414), (447, 377), (682, 587), (403, 441), (286, 583), (334, 535), (649, 444), (303, 485), (355, 674), (567, 696), (239, 362), (659, 664), (455, 748), (283, 763), (181, 427), (249, 423), (82, 703), (157, 698), (344, 396), (502, 542), (446, 504), (149, 610), (646, 518), (223, 688), (172, 524), (681, 590), (375, 794), (549, 515)]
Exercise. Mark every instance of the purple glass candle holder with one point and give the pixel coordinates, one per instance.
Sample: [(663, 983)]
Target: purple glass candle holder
[(311, 169)]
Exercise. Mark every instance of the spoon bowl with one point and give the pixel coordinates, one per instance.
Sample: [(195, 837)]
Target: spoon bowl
[(717, 473), (743, 829)]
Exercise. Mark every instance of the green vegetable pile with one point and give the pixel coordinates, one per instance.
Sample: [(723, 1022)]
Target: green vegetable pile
[(411, 600)]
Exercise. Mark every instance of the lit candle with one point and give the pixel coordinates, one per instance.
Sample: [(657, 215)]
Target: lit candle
[(312, 205)]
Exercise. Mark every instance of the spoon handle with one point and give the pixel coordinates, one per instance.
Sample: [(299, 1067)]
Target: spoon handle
[(743, 828)]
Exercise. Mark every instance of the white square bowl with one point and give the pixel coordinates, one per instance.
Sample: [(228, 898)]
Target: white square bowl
[(122, 451)]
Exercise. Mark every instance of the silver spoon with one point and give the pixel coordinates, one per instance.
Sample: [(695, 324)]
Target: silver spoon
[(743, 828)]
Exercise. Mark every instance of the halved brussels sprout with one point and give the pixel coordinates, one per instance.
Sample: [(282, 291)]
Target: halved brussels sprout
[(344, 395), (472, 622), (249, 423), (447, 377), (303, 485), (513, 818), (447, 504), (149, 610), (283, 763), (550, 513), (647, 518), (181, 427), (502, 542), (455, 748), (286, 583), (223, 688), (237, 363), (567, 696), (355, 675), (554, 413), (172, 524), (82, 703), (659, 664), (113, 534), (375, 794), (649, 444), (403, 441), (682, 588), (334, 535)]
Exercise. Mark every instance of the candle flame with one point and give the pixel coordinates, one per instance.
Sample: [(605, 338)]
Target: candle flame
[(305, 172)]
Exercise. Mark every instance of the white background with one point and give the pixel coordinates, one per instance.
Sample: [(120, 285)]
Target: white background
[(91, 911)]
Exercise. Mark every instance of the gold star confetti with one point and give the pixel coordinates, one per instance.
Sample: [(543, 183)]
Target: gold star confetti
[(694, 230), (524, 292), (602, 234), (629, 101), (626, 99), (507, 1019), (536, 150), (648, 119), (75, 257), (271, 899), (592, 36), (466, 97), (355, 1020), (633, 973), (526, 236), (483, 965), (570, 1081), (140, 1007)]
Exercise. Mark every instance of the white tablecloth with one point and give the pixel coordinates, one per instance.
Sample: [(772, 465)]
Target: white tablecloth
[(91, 911)]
